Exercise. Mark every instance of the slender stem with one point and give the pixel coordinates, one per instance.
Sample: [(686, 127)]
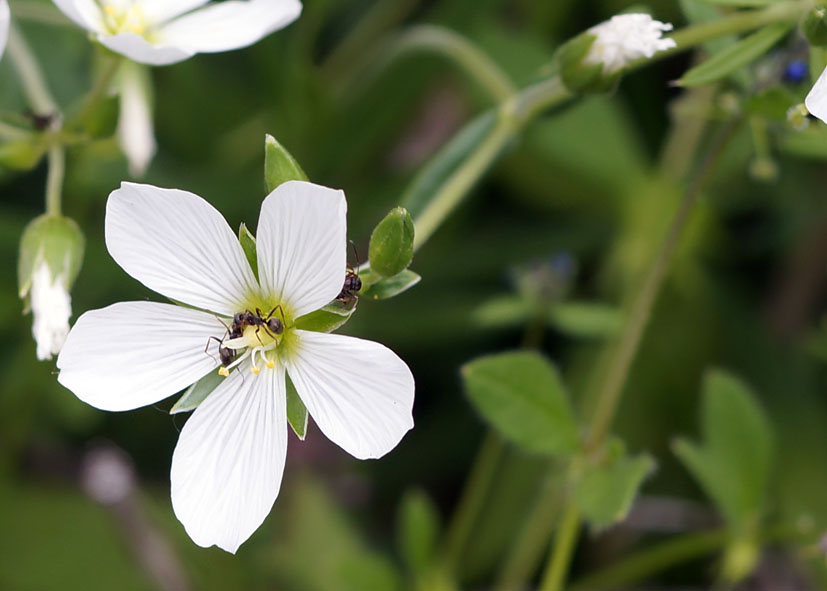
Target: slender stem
[(54, 179), (472, 500), (560, 557), (31, 77), (609, 396), (98, 91)]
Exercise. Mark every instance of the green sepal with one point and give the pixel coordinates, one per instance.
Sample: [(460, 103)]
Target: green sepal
[(23, 153), (197, 393), (814, 27), (388, 287), (329, 318), (279, 165), (391, 243), (296, 411), (579, 76), (735, 56), (248, 245), (604, 492), (521, 395), (56, 240)]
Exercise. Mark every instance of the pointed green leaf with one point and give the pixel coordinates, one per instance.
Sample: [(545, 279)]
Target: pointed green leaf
[(605, 493), (417, 530), (388, 287), (197, 393), (736, 56), (279, 165), (296, 411), (733, 463), (521, 395), (248, 244), (586, 319)]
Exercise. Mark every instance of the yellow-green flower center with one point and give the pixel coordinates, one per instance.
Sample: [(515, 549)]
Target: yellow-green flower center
[(117, 19), (260, 337)]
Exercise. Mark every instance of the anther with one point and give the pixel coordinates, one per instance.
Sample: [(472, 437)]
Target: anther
[(223, 371)]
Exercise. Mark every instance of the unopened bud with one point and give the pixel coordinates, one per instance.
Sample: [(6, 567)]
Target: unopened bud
[(391, 243), (814, 27)]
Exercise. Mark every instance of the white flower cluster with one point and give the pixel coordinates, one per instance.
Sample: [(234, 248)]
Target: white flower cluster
[(625, 38)]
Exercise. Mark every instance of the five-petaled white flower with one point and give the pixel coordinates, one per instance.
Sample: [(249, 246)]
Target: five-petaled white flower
[(5, 19), (625, 38), (227, 466), (162, 32)]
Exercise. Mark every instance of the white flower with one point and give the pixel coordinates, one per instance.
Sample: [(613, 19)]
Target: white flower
[(227, 466), (5, 19), (625, 38), (51, 308), (135, 134), (161, 32), (816, 100)]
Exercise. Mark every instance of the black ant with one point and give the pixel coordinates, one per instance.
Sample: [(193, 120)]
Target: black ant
[(352, 282), (241, 320)]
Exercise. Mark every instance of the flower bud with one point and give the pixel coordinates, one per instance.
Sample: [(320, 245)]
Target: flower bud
[(279, 165), (814, 27), (51, 252), (593, 61), (391, 243)]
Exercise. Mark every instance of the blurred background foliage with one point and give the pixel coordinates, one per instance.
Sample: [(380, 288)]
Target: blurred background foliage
[(571, 213)]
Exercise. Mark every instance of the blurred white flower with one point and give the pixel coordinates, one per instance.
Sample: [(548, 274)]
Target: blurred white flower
[(162, 32), (51, 308), (5, 19), (227, 466), (816, 100), (625, 38), (136, 136)]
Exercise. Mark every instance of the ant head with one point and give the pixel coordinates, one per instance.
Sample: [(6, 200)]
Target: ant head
[(275, 326)]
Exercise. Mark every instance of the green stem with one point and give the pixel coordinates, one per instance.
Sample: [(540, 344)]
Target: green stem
[(471, 501), (54, 179), (106, 73), (560, 557), (31, 77)]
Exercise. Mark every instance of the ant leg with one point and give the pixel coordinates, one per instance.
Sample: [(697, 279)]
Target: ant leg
[(207, 346)]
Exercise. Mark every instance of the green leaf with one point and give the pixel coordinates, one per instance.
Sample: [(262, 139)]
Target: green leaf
[(741, 3), (807, 143), (735, 57), (296, 411), (417, 530), (605, 493), (734, 462), (248, 245), (445, 162), (388, 287), (197, 393), (329, 318), (586, 319), (520, 394), (279, 165)]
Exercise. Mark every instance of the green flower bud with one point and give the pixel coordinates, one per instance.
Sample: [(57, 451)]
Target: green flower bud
[(391, 243), (578, 75), (814, 27), (279, 165), (51, 253)]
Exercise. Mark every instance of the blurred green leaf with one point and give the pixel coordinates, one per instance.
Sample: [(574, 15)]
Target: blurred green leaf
[(604, 493), (22, 154), (388, 287), (279, 165), (586, 319), (807, 143), (520, 394), (417, 530), (296, 411), (197, 393), (733, 464), (741, 3), (735, 57), (248, 244)]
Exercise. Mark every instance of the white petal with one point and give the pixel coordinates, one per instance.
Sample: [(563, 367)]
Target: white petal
[(140, 50), (160, 11), (816, 100), (360, 393), (177, 244), (227, 466), (301, 245), (86, 13), (136, 353), (51, 309), (135, 133), (230, 25), (5, 18)]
